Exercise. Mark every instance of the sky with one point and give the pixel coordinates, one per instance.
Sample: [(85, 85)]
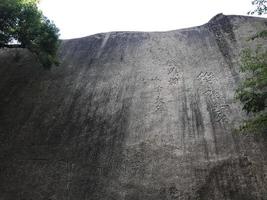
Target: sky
[(79, 18)]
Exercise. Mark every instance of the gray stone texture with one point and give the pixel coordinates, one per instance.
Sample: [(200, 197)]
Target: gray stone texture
[(132, 116)]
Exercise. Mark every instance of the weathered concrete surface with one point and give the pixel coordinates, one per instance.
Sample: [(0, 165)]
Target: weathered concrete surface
[(131, 116)]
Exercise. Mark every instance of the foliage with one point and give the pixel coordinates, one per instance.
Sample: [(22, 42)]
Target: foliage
[(252, 92), (23, 24), (261, 7), (261, 34), (257, 124)]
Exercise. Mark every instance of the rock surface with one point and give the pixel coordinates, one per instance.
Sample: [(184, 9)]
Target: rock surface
[(132, 116)]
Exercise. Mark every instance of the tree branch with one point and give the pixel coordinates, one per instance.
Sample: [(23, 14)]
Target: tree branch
[(12, 46)]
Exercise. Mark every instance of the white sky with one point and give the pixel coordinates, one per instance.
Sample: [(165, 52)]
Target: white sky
[(78, 18)]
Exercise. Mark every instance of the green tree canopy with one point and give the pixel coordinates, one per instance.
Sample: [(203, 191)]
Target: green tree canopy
[(252, 91), (21, 22), (261, 7)]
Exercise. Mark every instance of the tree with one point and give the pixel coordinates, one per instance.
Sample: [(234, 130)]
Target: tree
[(22, 25), (252, 91), (261, 7)]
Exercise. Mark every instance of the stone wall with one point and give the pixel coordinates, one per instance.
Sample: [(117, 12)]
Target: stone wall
[(132, 116)]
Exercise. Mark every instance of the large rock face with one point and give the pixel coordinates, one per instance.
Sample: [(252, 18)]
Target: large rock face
[(131, 116)]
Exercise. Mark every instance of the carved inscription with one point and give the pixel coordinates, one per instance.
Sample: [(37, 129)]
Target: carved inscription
[(159, 101), (175, 75), (158, 89), (206, 76), (219, 111), (214, 96), (159, 104), (156, 78), (170, 70)]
